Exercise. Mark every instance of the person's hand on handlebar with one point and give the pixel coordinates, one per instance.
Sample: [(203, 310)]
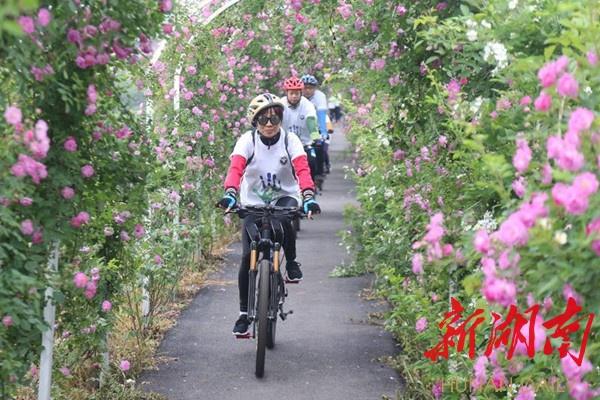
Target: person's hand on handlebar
[(309, 205), (229, 200)]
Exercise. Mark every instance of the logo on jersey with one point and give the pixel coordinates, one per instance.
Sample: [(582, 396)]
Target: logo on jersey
[(269, 188), (283, 160), (302, 118)]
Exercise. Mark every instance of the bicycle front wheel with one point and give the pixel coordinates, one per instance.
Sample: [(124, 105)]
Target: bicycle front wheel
[(262, 317), (272, 324)]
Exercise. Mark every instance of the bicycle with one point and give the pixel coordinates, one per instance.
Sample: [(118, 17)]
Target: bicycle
[(266, 299)]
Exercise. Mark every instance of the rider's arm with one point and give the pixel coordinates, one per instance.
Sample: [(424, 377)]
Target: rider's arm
[(235, 172), (303, 173), (321, 117), (311, 125)]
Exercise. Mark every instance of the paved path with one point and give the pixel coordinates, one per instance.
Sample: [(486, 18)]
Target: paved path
[(323, 351)]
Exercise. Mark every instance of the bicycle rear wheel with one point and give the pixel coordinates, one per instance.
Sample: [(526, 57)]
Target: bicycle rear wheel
[(261, 316)]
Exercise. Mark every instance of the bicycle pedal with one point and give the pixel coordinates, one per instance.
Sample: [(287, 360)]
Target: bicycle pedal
[(284, 315), (246, 336)]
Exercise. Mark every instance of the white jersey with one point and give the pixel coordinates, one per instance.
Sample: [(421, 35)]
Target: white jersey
[(269, 175), (294, 119), (319, 100)]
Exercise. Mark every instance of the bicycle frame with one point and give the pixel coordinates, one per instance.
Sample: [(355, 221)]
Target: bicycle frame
[(266, 249)]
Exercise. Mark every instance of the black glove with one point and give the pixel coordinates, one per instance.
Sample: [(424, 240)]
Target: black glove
[(309, 204), (229, 199)]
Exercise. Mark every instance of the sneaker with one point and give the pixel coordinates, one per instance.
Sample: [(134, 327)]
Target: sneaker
[(328, 169), (293, 271), (241, 326)]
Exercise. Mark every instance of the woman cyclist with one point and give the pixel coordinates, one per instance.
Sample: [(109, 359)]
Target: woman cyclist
[(267, 166)]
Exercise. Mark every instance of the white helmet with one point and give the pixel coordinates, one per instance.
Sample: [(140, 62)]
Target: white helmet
[(262, 102)]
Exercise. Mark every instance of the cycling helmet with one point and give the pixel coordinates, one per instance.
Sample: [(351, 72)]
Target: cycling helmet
[(293, 83), (310, 80), (262, 102)]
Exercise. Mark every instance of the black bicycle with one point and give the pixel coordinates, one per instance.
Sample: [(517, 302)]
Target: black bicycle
[(266, 288)]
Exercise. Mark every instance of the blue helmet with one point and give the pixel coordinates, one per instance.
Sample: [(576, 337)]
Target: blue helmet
[(310, 80)]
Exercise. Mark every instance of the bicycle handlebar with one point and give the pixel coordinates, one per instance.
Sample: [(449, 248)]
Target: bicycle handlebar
[(268, 209)]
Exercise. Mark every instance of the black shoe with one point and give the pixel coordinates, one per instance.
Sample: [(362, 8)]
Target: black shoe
[(293, 271), (328, 169), (241, 326)]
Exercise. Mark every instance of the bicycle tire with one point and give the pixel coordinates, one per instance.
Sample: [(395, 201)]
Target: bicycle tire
[(261, 316), (296, 223), (272, 324)]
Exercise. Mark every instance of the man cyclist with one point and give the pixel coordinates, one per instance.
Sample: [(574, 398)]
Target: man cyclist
[(267, 166), (300, 117), (319, 100)]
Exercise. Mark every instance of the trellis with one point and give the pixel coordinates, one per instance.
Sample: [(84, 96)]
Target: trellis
[(46, 358)]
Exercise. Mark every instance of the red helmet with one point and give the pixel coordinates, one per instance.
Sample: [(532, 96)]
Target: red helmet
[(293, 83)]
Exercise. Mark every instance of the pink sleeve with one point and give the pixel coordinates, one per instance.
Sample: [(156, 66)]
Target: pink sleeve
[(235, 172), (303, 172)]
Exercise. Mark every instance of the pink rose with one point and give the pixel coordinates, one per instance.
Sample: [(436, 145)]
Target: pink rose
[(70, 144), (26, 24), (482, 241), (581, 119), (7, 321), (67, 192), (522, 156), (166, 6), (543, 102), (567, 86), (138, 231), (106, 306), (80, 280), (44, 17), (525, 393), (585, 184), (83, 218), (421, 324), (417, 263), (27, 227), (400, 10), (90, 290), (87, 171), (513, 232), (124, 365), (13, 115), (518, 186), (592, 58), (525, 101)]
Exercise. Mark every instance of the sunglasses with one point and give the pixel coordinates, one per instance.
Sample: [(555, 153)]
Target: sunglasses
[(263, 119)]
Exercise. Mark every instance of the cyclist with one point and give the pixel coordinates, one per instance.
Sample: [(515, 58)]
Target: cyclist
[(300, 117), (267, 166), (319, 100)]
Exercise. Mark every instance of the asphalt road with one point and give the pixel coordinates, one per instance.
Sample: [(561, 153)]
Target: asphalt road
[(325, 350)]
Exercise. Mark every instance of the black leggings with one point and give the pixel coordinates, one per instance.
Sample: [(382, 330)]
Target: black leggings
[(279, 225), (320, 158), (311, 154)]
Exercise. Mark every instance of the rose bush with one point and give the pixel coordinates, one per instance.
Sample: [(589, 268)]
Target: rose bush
[(474, 125)]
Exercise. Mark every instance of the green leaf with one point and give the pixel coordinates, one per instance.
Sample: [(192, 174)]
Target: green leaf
[(28, 5), (548, 51), (12, 27)]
